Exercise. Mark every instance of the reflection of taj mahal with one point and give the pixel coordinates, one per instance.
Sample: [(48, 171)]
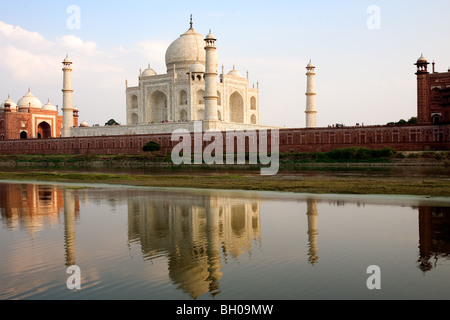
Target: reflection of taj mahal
[(194, 233)]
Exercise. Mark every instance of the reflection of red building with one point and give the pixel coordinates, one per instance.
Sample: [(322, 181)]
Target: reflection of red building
[(434, 232), (433, 94), (28, 119)]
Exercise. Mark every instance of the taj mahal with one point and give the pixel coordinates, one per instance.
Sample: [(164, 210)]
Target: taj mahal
[(191, 92)]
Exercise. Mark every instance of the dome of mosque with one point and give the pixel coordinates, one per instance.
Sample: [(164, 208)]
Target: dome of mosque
[(149, 72), (49, 107), (197, 68), (12, 104), (29, 101), (235, 73), (185, 51)]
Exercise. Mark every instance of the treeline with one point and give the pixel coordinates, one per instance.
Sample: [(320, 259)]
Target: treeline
[(411, 121), (341, 155)]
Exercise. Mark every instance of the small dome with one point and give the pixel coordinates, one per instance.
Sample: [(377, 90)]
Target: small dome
[(67, 60), (197, 68), (235, 73), (422, 59), (12, 104), (310, 65), (49, 107), (29, 101), (84, 124), (149, 72), (210, 36)]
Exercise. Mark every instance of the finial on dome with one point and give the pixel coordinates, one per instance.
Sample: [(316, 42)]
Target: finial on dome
[(191, 23)]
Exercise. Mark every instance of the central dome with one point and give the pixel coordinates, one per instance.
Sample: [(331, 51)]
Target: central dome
[(29, 101), (185, 51)]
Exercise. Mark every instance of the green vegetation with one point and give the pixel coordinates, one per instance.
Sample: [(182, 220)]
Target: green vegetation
[(112, 122), (152, 146), (351, 155), (411, 121)]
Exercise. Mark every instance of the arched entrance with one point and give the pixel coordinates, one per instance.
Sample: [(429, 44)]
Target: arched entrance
[(236, 108), (23, 135), (183, 115), (44, 131), (436, 119), (157, 107)]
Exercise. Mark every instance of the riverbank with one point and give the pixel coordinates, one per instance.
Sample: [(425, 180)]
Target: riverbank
[(433, 186), (347, 171)]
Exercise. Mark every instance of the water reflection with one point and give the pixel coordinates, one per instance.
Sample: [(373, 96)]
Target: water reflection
[(30, 206), (195, 233), (434, 232)]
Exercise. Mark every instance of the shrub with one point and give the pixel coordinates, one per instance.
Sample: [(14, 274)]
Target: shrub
[(151, 147)]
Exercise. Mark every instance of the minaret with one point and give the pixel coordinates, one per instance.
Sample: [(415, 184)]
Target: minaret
[(67, 99), (311, 112), (211, 79), (423, 105)]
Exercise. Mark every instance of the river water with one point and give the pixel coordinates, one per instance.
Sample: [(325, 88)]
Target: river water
[(174, 244)]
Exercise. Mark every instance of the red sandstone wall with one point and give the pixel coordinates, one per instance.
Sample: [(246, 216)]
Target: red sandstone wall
[(400, 138)]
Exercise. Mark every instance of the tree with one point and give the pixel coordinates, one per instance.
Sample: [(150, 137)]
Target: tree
[(151, 147), (112, 122)]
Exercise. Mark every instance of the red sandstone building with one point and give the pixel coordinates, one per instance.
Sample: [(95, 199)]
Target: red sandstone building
[(433, 103), (28, 119)]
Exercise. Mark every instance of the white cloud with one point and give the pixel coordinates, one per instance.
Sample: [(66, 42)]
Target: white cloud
[(74, 43), (28, 59)]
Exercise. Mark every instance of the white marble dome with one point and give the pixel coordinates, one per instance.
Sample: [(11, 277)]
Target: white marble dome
[(197, 68), (49, 107), (235, 73), (185, 51), (29, 101), (149, 72), (13, 105)]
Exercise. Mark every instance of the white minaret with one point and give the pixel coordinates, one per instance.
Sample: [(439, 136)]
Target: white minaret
[(67, 98), (311, 112), (211, 79)]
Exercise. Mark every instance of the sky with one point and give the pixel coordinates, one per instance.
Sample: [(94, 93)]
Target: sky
[(364, 52)]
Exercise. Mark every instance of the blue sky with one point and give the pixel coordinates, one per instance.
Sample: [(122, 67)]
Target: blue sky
[(364, 75)]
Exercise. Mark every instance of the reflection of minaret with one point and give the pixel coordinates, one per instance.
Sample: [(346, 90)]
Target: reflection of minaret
[(312, 214), (69, 226), (213, 249)]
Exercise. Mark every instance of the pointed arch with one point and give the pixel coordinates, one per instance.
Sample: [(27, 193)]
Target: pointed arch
[(236, 108), (44, 130), (157, 107)]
